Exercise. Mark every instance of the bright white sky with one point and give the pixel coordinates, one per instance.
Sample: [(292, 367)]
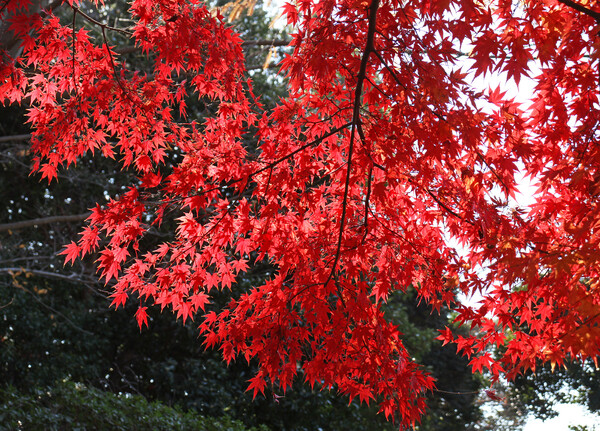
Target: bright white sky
[(569, 414)]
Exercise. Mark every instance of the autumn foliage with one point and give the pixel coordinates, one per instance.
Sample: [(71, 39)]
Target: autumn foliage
[(383, 151)]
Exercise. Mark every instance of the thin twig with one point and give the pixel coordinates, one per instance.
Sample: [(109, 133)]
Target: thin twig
[(266, 42), (98, 23), (289, 155), (128, 49), (8, 303), (114, 66), (72, 278), (73, 52), (367, 197)]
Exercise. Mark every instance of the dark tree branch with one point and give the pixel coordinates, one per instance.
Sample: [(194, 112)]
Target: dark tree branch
[(42, 303), (43, 220), (363, 139), (13, 138), (78, 279), (447, 208), (582, 9), (261, 66), (266, 42), (399, 235), (8, 40), (588, 12), (53, 5), (367, 198), (293, 153), (8, 303), (26, 258), (98, 23), (72, 278), (362, 73), (128, 49)]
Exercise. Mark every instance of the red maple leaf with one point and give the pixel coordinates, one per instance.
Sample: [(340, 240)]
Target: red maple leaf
[(141, 316), (71, 251)]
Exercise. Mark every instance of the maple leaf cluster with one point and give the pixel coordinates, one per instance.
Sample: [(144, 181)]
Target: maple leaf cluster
[(381, 152)]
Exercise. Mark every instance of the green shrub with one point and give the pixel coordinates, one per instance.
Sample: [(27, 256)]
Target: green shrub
[(74, 406)]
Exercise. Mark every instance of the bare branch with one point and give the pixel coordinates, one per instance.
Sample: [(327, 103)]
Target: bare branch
[(72, 278), (43, 220), (128, 49), (43, 304), (447, 208), (53, 5), (98, 23), (26, 258), (266, 42), (261, 66), (293, 153), (13, 138)]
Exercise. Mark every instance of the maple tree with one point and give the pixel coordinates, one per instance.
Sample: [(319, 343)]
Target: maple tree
[(383, 150)]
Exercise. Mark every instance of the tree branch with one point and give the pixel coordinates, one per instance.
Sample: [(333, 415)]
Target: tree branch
[(12, 138), (98, 23), (362, 72), (43, 220), (72, 278), (588, 12), (447, 208), (581, 8), (261, 66), (53, 5), (293, 153), (266, 42), (42, 303)]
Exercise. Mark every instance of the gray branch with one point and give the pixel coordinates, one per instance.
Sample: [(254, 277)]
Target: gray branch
[(13, 138), (73, 278), (43, 220)]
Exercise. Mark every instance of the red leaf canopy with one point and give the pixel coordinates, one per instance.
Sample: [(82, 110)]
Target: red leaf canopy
[(382, 151)]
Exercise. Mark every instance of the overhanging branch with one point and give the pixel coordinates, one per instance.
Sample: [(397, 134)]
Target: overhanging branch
[(581, 8), (362, 73)]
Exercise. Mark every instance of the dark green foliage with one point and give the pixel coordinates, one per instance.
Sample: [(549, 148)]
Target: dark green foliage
[(71, 406)]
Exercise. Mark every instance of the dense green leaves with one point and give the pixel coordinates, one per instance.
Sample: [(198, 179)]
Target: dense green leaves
[(77, 407)]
